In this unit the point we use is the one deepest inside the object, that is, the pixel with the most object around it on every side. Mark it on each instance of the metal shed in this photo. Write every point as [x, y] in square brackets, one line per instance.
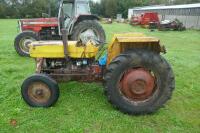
[189, 14]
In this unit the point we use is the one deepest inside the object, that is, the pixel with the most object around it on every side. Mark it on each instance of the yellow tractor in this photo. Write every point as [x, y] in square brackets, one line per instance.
[137, 79]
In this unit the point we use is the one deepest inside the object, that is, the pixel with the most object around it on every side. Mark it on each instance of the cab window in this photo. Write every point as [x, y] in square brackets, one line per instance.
[83, 8]
[68, 9]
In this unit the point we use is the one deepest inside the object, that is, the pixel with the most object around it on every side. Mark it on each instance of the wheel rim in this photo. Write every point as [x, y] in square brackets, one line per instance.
[24, 44]
[93, 33]
[39, 92]
[137, 84]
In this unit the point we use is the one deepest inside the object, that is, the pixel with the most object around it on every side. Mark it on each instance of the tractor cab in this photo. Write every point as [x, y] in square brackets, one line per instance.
[76, 17]
[70, 10]
[75, 7]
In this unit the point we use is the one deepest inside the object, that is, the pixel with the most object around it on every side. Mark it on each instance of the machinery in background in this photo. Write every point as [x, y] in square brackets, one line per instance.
[151, 20]
[144, 19]
[73, 15]
[171, 25]
[107, 20]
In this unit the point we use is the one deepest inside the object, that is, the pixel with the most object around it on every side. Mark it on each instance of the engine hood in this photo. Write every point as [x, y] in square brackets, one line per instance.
[40, 21]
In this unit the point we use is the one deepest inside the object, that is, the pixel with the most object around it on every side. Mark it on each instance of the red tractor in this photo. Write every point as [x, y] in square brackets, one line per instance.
[73, 15]
[145, 19]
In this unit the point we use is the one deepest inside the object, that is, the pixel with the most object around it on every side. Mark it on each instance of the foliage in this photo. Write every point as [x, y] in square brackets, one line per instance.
[83, 107]
[109, 8]
[26, 8]
[106, 8]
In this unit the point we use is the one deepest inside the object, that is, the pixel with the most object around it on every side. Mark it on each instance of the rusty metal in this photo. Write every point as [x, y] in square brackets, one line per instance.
[39, 63]
[92, 73]
[39, 92]
[137, 84]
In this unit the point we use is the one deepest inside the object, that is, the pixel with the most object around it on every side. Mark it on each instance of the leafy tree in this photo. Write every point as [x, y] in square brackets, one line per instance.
[96, 8]
[110, 8]
[185, 1]
[2, 9]
[106, 8]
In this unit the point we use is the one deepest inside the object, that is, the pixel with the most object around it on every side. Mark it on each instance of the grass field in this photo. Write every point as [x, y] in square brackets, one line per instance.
[83, 107]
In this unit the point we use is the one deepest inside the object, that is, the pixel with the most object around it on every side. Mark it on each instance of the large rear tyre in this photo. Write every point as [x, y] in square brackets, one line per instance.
[90, 27]
[23, 40]
[139, 82]
[40, 91]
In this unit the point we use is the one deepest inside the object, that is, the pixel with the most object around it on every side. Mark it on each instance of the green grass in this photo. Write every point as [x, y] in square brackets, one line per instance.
[83, 107]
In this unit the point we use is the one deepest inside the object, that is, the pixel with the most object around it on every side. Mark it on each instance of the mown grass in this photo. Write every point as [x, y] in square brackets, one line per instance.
[83, 107]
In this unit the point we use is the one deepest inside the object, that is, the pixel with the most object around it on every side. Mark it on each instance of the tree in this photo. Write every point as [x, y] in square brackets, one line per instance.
[106, 8]
[2, 9]
[185, 1]
[110, 8]
[26, 8]
[96, 8]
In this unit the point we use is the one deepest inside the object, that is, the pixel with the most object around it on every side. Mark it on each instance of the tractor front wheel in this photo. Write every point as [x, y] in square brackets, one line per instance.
[40, 91]
[139, 82]
[22, 42]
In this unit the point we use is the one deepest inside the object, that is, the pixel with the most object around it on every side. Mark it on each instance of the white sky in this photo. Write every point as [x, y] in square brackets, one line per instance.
[96, 0]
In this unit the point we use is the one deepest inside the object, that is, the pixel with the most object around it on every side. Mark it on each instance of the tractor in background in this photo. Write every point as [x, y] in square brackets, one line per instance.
[73, 15]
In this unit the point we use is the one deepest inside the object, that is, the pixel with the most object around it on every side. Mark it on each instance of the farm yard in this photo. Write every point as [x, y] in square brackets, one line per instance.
[83, 107]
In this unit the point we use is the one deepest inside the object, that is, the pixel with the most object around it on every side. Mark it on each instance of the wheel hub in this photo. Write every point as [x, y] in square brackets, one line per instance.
[137, 84]
[39, 92]
[137, 87]
[87, 35]
[25, 44]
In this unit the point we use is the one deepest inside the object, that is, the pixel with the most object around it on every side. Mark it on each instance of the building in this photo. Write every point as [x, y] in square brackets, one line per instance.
[188, 14]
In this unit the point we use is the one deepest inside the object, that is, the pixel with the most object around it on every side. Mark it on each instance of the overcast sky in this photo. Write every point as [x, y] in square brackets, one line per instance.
[96, 0]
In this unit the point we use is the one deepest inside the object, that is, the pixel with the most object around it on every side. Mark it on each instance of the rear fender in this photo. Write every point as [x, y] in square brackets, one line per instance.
[129, 41]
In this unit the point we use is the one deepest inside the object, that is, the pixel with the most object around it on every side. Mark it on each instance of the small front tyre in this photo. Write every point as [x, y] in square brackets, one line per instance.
[40, 91]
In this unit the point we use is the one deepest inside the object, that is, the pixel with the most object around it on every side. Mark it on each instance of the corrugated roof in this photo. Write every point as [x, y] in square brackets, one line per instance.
[168, 7]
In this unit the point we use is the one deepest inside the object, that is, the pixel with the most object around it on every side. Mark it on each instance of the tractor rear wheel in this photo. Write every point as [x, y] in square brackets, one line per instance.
[139, 82]
[40, 91]
[91, 28]
[22, 42]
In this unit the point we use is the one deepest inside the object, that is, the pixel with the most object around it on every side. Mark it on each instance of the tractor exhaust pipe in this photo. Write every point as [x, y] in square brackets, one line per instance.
[65, 42]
